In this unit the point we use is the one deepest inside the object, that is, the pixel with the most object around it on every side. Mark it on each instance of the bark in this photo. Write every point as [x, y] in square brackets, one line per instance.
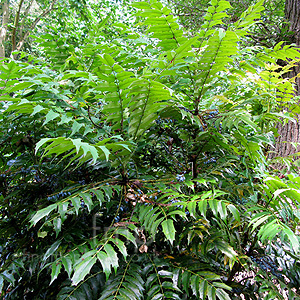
[16, 24]
[290, 133]
[26, 12]
[34, 23]
[3, 29]
[19, 26]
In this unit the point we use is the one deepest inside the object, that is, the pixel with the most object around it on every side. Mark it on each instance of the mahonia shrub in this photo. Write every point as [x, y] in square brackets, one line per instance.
[136, 166]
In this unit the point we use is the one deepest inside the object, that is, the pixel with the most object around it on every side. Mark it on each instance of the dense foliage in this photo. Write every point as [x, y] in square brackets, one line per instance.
[134, 164]
[270, 29]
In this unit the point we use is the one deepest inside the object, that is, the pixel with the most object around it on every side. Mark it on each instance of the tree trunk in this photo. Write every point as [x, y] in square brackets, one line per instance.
[290, 133]
[34, 23]
[3, 29]
[16, 24]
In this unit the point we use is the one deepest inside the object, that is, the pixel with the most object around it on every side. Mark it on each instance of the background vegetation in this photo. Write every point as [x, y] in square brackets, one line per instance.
[134, 157]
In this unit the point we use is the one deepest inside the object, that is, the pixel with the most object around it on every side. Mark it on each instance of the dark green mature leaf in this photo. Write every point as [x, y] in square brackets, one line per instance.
[42, 213]
[51, 250]
[169, 230]
[56, 267]
[83, 268]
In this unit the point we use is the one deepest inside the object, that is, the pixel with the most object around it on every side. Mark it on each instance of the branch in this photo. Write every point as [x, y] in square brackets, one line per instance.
[192, 8]
[16, 23]
[259, 40]
[42, 15]
[89, 114]
[187, 15]
[27, 9]
[3, 29]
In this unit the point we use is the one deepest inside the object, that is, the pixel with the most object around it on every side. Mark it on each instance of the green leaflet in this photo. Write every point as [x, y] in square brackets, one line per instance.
[42, 213]
[87, 199]
[226, 249]
[259, 220]
[76, 127]
[121, 247]
[83, 268]
[51, 115]
[67, 263]
[51, 250]
[76, 202]
[56, 267]
[105, 262]
[20, 86]
[62, 210]
[112, 255]
[294, 240]
[169, 230]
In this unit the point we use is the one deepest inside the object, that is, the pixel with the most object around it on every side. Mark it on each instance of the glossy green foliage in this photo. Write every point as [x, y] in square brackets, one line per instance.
[136, 167]
[268, 28]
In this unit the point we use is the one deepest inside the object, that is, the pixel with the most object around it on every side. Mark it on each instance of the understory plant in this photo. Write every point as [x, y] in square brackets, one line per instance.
[134, 165]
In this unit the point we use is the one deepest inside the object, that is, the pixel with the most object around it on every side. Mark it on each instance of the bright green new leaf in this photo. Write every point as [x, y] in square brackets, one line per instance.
[51, 115]
[294, 239]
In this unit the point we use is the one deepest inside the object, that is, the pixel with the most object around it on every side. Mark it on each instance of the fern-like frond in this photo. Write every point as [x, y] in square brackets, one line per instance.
[248, 17]
[79, 261]
[148, 98]
[116, 82]
[161, 24]
[204, 285]
[128, 283]
[216, 54]
[90, 288]
[73, 200]
[82, 151]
